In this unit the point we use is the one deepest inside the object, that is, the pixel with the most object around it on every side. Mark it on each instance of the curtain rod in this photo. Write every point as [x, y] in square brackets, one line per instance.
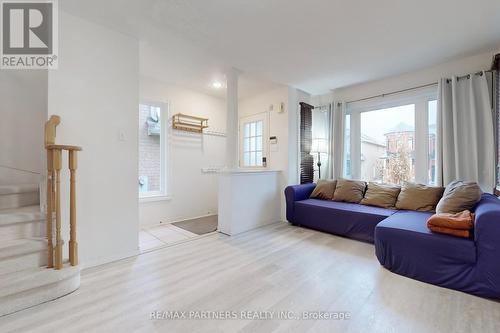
[418, 87]
[468, 75]
[393, 92]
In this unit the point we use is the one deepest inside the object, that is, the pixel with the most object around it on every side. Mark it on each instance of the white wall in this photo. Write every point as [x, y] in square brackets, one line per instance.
[284, 126]
[192, 193]
[278, 122]
[23, 110]
[277, 158]
[95, 91]
[462, 66]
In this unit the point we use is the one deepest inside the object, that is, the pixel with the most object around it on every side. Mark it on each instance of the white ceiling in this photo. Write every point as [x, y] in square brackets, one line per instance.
[314, 45]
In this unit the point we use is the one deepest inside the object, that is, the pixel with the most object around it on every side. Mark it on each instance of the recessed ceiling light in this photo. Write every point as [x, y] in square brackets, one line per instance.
[217, 85]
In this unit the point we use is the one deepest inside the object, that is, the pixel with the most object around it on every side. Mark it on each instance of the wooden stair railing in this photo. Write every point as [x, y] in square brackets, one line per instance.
[54, 166]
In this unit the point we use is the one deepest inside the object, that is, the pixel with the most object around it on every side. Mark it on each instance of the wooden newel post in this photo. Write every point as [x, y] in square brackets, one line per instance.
[73, 245]
[57, 166]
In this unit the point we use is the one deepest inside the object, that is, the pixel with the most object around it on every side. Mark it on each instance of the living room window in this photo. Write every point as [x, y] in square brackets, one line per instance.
[387, 144]
[432, 122]
[347, 147]
[320, 135]
[152, 180]
[392, 139]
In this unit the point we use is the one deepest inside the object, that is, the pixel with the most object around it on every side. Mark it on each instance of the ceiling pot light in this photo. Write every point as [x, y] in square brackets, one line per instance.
[217, 85]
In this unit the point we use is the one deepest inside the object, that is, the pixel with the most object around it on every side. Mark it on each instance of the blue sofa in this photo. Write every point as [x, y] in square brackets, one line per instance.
[404, 244]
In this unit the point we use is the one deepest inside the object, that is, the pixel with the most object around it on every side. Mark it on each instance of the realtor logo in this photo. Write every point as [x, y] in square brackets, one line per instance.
[29, 34]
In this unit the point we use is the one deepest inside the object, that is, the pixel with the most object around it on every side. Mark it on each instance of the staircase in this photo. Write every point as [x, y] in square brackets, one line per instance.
[25, 280]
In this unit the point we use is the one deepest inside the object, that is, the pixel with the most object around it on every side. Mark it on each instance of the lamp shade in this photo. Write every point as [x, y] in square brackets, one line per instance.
[319, 145]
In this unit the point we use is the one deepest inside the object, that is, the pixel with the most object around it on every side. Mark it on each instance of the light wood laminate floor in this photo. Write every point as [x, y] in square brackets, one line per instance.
[278, 267]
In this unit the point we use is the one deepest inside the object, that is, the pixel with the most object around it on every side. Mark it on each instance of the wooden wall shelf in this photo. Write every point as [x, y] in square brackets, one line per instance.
[188, 123]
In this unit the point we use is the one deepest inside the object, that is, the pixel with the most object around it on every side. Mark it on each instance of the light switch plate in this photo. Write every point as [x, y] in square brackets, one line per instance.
[121, 135]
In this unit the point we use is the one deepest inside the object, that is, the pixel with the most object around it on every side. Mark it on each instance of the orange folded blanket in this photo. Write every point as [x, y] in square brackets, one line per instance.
[450, 231]
[458, 224]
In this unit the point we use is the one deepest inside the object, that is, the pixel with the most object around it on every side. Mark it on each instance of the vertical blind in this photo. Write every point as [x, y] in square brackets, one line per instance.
[306, 159]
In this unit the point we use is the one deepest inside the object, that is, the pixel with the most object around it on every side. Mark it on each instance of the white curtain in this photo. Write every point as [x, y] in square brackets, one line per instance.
[336, 140]
[465, 132]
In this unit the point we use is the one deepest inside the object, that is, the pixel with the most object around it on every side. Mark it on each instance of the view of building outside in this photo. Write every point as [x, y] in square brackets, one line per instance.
[388, 144]
[400, 154]
[393, 129]
[432, 107]
[149, 149]
[347, 147]
[372, 158]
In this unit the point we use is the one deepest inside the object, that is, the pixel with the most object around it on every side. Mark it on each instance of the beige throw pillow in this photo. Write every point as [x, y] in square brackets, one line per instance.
[459, 196]
[381, 195]
[419, 197]
[349, 190]
[324, 189]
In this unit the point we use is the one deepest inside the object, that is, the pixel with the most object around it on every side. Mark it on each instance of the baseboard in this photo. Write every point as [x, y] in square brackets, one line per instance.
[175, 221]
[109, 259]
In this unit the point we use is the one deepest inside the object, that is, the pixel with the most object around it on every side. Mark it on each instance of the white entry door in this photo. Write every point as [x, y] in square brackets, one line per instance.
[254, 141]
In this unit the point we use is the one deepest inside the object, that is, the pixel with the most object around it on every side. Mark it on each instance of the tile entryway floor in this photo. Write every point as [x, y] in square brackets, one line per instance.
[158, 236]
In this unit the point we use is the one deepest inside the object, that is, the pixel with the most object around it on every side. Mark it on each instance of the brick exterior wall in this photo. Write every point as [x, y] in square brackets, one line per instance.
[149, 152]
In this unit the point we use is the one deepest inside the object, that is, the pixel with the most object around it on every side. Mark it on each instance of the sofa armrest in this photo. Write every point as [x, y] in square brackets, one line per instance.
[487, 238]
[487, 220]
[296, 193]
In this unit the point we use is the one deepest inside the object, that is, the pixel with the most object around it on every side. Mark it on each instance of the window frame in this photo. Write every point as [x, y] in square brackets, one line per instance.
[163, 194]
[253, 138]
[420, 98]
[264, 117]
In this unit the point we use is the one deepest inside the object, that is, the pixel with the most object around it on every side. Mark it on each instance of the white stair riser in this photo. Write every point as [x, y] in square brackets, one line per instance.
[16, 200]
[22, 230]
[38, 295]
[31, 260]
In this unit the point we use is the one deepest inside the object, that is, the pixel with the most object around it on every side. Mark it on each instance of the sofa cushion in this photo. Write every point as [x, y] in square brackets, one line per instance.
[324, 189]
[381, 195]
[340, 218]
[419, 197]
[349, 190]
[459, 196]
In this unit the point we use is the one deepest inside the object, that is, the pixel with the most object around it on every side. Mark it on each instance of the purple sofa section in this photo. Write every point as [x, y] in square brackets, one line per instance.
[404, 244]
[487, 239]
[340, 218]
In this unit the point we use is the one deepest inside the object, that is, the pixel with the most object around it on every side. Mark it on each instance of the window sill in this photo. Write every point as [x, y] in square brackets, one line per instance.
[154, 198]
[254, 168]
